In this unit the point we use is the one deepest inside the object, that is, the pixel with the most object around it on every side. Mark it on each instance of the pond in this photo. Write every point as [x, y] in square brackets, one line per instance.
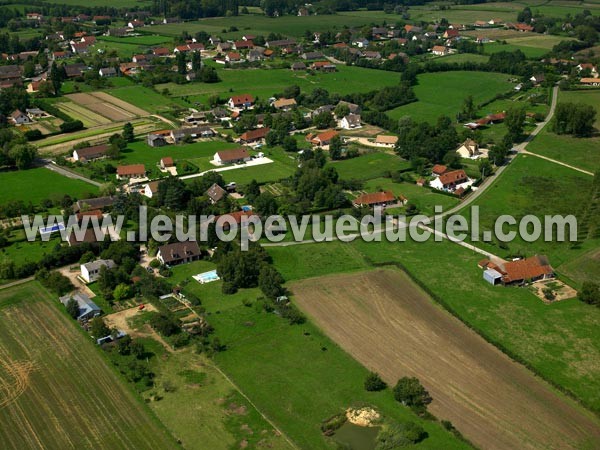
[357, 437]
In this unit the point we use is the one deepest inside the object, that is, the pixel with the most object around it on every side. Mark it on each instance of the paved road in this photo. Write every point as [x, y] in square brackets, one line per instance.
[251, 163]
[48, 164]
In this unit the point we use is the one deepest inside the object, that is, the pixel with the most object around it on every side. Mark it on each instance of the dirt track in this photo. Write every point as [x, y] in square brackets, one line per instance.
[392, 327]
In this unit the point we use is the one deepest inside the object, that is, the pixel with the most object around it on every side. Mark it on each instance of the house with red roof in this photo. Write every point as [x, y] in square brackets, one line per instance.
[243, 101]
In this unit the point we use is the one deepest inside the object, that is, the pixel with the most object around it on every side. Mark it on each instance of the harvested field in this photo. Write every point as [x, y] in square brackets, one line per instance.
[56, 391]
[107, 106]
[388, 324]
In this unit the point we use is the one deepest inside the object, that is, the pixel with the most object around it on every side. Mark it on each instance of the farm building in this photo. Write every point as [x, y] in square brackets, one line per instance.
[166, 162]
[90, 214]
[438, 169]
[519, 271]
[156, 140]
[87, 308]
[193, 132]
[373, 199]
[323, 139]
[323, 66]
[150, 189]
[440, 50]
[92, 153]
[19, 118]
[386, 141]
[107, 72]
[297, 66]
[90, 272]
[284, 104]
[88, 236]
[235, 155]
[178, 253]
[131, 171]
[93, 203]
[252, 136]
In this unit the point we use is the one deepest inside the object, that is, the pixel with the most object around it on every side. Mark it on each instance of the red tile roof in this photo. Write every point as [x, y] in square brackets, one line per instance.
[241, 99]
[439, 169]
[525, 269]
[132, 169]
[453, 177]
[235, 154]
[167, 161]
[326, 136]
[252, 135]
[375, 198]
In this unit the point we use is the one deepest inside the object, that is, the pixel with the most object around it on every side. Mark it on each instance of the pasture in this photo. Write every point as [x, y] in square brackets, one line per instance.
[145, 98]
[35, 185]
[56, 390]
[495, 402]
[579, 152]
[444, 93]
[534, 186]
[239, 81]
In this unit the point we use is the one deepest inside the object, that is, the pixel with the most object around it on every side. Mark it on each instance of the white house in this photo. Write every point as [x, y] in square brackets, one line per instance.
[90, 272]
[469, 149]
[350, 122]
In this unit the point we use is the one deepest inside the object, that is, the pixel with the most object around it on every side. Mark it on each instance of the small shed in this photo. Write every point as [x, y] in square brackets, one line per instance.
[492, 276]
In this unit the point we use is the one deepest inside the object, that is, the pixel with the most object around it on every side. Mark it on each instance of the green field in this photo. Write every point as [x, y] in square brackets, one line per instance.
[35, 185]
[296, 400]
[458, 58]
[146, 98]
[346, 80]
[579, 152]
[559, 341]
[368, 166]
[57, 391]
[530, 52]
[443, 93]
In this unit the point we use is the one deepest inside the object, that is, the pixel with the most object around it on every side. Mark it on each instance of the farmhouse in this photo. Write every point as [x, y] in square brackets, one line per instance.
[92, 153]
[215, 193]
[323, 139]
[89, 237]
[450, 180]
[236, 155]
[131, 171]
[19, 118]
[87, 308]
[36, 113]
[243, 101]
[440, 50]
[386, 141]
[588, 66]
[374, 199]
[233, 57]
[517, 272]
[257, 135]
[350, 121]
[75, 70]
[284, 104]
[156, 140]
[194, 132]
[90, 272]
[450, 34]
[323, 66]
[178, 253]
[469, 149]
[107, 72]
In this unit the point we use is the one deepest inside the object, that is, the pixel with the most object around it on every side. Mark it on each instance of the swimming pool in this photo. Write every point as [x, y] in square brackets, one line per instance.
[206, 277]
[53, 228]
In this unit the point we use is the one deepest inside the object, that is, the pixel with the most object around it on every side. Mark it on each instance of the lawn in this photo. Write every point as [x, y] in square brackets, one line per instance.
[58, 392]
[239, 81]
[529, 51]
[443, 93]
[296, 399]
[579, 152]
[35, 185]
[370, 165]
[24, 251]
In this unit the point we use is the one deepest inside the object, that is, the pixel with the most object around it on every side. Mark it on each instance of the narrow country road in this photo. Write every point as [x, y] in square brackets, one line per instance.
[48, 164]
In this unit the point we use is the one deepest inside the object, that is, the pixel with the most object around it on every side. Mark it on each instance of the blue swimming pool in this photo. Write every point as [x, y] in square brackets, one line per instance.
[206, 277]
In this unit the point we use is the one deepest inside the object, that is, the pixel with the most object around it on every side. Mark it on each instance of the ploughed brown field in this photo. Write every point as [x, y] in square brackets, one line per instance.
[392, 327]
[107, 106]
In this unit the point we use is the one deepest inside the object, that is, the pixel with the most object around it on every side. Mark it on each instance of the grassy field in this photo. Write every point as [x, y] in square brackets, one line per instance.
[35, 185]
[146, 98]
[463, 57]
[295, 400]
[57, 391]
[238, 81]
[222, 418]
[444, 93]
[579, 152]
[368, 166]
[534, 186]
[416, 338]
[530, 52]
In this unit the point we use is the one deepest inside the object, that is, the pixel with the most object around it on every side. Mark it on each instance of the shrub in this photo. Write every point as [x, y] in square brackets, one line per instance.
[399, 435]
[410, 392]
[374, 383]
[69, 127]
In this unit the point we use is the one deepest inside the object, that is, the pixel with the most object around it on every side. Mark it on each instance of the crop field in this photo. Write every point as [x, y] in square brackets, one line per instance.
[107, 106]
[371, 165]
[579, 152]
[32, 185]
[238, 81]
[443, 93]
[145, 98]
[55, 389]
[493, 401]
